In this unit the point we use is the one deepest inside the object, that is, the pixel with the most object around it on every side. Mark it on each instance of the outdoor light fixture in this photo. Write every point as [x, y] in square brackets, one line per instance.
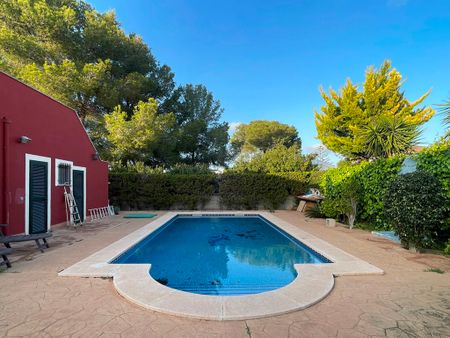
[24, 139]
[95, 157]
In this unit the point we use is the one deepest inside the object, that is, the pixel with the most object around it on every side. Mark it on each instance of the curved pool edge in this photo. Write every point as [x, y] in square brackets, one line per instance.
[312, 284]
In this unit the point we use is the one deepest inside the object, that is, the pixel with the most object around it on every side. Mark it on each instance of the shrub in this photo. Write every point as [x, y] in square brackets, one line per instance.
[413, 207]
[345, 201]
[160, 191]
[187, 188]
[436, 160]
[183, 168]
[447, 248]
[373, 178]
[250, 190]
[314, 212]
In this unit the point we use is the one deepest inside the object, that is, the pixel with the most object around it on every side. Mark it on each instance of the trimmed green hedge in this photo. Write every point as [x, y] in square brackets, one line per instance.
[376, 177]
[251, 190]
[436, 160]
[139, 191]
[413, 206]
[143, 190]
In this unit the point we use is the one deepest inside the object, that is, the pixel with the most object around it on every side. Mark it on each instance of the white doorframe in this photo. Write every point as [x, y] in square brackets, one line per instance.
[83, 169]
[48, 160]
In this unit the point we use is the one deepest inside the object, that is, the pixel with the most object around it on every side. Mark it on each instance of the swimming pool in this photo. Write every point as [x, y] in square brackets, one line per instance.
[221, 255]
[312, 283]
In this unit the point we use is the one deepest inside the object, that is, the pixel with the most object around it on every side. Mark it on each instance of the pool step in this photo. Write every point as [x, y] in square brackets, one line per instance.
[227, 290]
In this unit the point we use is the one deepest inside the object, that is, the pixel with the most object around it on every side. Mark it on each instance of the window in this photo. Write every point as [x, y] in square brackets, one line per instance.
[63, 173]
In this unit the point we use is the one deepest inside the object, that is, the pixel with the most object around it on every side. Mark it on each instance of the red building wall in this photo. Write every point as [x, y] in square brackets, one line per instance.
[56, 132]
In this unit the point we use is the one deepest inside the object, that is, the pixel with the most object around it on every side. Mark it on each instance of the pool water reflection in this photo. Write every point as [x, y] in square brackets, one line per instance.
[221, 255]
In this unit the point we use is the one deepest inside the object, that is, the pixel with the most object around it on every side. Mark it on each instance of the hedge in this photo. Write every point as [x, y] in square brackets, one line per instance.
[413, 206]
[436, 160]
[375, 178]
[143, 190]
[139, 191]
[252, 190]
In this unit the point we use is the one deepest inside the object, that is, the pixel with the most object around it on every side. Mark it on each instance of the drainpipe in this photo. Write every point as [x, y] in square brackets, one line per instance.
[5, 176]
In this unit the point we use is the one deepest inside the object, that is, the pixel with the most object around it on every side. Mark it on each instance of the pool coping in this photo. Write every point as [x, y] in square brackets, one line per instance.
[313, 283]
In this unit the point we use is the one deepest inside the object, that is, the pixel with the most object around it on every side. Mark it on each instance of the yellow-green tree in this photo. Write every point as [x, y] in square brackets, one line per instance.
[145, 137]
[346, 122]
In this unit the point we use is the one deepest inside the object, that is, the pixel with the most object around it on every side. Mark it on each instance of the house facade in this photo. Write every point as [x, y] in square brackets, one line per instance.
[44, 148]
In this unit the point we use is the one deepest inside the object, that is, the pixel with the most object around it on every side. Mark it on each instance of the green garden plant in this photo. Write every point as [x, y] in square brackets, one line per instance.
[251, 190]
[342, 124]
[344, 201]
[134, 187]
[447, 248]
[413, 207]
[373, 179]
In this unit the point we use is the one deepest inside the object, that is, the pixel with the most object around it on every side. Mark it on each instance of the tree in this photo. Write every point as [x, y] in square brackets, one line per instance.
[73, 53]
[86, 90]
[262, 135]
[277, 159]
[202, 138]
[389, 136]
[445, 111]
[83, 58]
[145, 137]
[344, 200]
[342, 123]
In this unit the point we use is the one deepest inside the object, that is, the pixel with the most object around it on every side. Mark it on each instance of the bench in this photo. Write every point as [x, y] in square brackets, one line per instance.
[6, 240]
[4, 252]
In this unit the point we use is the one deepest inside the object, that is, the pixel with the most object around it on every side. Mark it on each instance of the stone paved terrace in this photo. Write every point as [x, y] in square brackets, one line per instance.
[405, 302]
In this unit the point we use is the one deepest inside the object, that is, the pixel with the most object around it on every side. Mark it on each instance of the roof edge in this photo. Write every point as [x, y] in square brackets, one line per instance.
[55, 100]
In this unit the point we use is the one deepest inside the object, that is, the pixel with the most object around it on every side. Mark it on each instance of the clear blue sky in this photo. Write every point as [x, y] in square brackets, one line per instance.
[266, 59]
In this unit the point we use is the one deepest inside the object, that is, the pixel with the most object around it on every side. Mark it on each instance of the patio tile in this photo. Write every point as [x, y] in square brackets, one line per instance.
[405, 302]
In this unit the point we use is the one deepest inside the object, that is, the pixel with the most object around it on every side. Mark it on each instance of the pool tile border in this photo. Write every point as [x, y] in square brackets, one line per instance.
[313, 283]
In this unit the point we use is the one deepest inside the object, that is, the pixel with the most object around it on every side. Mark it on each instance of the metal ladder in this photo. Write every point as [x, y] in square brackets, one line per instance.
[72, 213]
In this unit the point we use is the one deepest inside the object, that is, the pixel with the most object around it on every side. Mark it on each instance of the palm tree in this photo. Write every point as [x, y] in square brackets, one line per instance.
[445, 111]
[390, 136]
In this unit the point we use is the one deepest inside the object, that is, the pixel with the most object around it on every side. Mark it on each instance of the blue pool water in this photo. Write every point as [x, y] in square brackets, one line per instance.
[217, 255]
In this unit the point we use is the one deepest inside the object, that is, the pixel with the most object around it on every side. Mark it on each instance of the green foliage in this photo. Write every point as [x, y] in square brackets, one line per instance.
[252, 190]
[315, 212]
[436, 160]
[342, 123]
[83, 58]
[81, 88]
[445, 111]
[262, 135]
[436, 270]
[389, 136]
[202, 138]
[373, 178]
[183, 168]
[145, 137]
[160, 190]
[275, 160]
[188, 187]
[343, 199]
[137, 167]
[447, 248]
[413, 207]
